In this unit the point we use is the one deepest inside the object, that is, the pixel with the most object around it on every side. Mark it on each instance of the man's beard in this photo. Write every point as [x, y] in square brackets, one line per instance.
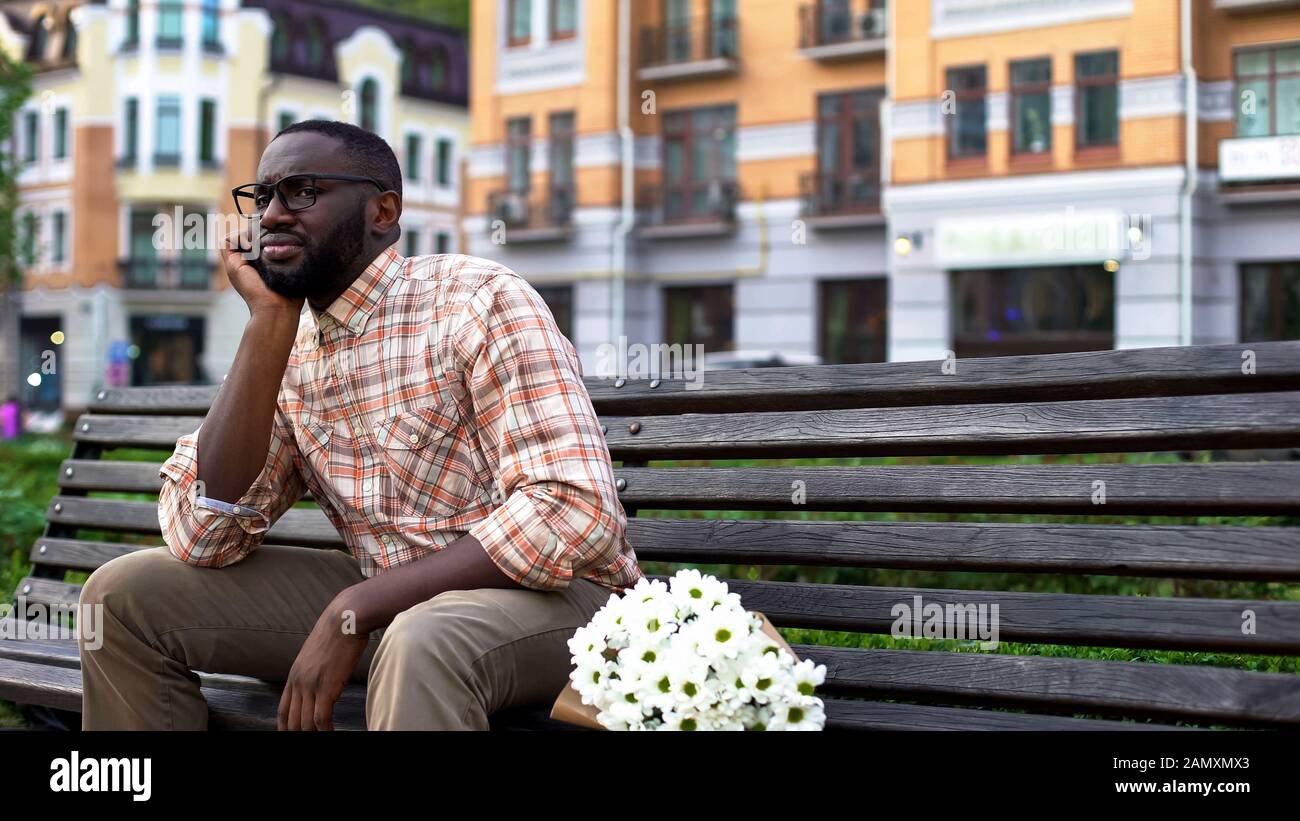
[323, 267]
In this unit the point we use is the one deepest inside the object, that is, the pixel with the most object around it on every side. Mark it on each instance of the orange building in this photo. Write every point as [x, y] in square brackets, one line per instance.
[686, 171]
[867, 180]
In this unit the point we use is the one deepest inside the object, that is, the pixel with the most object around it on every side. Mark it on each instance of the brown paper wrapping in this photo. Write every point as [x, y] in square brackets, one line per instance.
[570, 709]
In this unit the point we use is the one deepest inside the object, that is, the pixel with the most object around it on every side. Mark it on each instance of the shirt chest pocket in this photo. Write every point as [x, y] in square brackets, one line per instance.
[426, 452]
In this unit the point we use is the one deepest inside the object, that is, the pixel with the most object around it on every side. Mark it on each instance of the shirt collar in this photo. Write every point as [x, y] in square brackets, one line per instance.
[355, 305]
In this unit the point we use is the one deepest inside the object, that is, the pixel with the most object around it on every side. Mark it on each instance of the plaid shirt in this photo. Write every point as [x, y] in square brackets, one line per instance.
[435, 397]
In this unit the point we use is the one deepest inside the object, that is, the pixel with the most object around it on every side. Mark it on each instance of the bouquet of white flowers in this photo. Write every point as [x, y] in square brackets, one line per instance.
[687, 656]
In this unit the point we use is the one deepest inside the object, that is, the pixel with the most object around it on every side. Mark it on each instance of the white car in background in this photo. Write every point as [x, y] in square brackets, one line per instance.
[732, 360]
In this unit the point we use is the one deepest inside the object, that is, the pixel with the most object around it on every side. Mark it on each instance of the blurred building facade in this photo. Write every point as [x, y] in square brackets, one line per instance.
[866, 181]
[143, 108]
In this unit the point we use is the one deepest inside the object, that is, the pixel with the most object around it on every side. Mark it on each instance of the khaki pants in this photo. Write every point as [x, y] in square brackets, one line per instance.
[446, 663]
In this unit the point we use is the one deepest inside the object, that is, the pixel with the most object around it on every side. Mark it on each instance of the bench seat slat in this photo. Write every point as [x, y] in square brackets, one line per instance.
[1258, 420]
[1263, 553]
[238, 703]
[1225, 489]
[1173, 371]
[1174, 691]
[1042, 618]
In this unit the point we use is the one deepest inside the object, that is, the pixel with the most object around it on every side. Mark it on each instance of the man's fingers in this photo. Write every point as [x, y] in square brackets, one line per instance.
[282, 714]
[306, 710]
[324, 713]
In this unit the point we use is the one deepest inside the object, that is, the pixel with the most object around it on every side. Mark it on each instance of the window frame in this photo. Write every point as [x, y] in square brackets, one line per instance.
[723, 115]
[1015, 92]
[173, 104]
[701, 295]
[59, 151]
[986, 316]
[31, 137]
[1276, 301]
[208, 140]
[444, 153]
[59, 238]
[966, 95]
[553, 15]
[521, 141]
[847, 120]
[414, 156]
[1080, 83]
[168, 8]
[512, 11]
[825, 303]
[1272, 77]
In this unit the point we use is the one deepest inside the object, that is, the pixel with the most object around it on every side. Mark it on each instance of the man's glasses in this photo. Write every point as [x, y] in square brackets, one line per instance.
[296, 192]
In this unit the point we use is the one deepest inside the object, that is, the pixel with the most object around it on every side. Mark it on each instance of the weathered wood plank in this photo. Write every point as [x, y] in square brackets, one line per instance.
[1260, 420]
[1042, 618]
[298, 526]
[1208, 695]
[1262, 553]
[1178, 371]
[1154, 489]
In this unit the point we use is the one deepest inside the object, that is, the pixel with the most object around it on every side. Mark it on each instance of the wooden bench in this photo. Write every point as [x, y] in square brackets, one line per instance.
[1137, 401]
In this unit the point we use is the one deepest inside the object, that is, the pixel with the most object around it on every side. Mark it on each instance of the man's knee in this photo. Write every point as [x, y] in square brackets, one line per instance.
[135, 576]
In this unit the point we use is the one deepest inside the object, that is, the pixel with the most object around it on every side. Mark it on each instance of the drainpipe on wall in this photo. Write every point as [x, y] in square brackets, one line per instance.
[1191, 119]
[627, 218]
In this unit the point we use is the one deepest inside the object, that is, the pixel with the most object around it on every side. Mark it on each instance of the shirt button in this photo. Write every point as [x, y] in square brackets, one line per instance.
[415, 439]
[366, 486]
[237, 509]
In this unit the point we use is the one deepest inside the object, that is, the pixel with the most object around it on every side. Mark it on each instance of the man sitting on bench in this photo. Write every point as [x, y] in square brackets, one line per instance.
[436, 415]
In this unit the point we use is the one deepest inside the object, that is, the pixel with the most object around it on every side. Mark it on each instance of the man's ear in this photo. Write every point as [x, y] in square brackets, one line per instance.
[388, 212]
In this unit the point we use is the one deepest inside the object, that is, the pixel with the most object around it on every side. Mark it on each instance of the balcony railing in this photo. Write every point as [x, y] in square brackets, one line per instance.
[531, 217]
[167, 274]
[704, 46]
[833, 199]
[705, 209]
[836, 30]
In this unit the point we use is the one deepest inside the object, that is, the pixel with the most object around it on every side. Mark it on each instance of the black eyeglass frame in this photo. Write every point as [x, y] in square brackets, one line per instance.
[275, 187]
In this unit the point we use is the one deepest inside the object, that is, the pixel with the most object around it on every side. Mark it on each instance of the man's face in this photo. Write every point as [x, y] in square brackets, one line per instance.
[320, 250]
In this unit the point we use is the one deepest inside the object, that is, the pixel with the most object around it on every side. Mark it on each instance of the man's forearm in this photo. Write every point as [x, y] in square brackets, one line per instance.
[461, 565]
[236, 435]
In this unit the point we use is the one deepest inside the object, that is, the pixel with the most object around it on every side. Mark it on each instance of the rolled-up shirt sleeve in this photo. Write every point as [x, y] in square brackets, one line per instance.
[208, 532]
[537, 427]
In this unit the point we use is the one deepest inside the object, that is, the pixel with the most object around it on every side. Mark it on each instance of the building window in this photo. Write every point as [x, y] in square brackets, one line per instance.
[695, 315]
[211, 26]
[1031, 106]
[1268, 91]
[69, 38]
[286, 120]
[848, 153]
[1270, 302]
[519, 19]
[170, 24]
[316, 45]
[436, 70]
[130, 132]
[30, 242]
[414, 146]
[171, 349]
[723, 41]
[60, 133]
[412, 243]
[31, 137]
[560, 205]
[853, 315]
[207, 132]
[369, 105]
[1096, 113]
[442, 243]
[40, 40]
[559, 298]
[59, 248]
[132, 38]
[519, 149]
[167, 143]
[968, 127]
[699, 163]
[444, 162]
[564, 19]
[1014, 311]
[279, 41]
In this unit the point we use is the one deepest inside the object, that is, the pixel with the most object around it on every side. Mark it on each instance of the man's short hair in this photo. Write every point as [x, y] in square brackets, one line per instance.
[370, 154]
